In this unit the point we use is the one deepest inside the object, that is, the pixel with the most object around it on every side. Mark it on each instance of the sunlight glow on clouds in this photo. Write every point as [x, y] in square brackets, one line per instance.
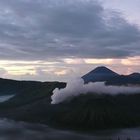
[99, 61]
[59, 39]
[132, 61]
[61, 72]
[64, 69]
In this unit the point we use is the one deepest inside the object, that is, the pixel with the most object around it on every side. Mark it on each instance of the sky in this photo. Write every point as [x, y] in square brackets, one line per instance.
[55, 40]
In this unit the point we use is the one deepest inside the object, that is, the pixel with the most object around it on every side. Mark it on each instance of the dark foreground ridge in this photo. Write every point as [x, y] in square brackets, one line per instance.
[32, 102]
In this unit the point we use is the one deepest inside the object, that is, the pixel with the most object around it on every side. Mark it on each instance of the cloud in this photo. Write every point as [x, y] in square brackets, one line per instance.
[42, 30]
[35, 70]
[77, 87]
[3, 72]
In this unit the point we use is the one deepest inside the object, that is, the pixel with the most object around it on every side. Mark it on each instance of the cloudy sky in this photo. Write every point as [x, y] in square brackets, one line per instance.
[60, 39]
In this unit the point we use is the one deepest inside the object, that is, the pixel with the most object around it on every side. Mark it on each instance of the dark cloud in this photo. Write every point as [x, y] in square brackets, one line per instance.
[44, 29]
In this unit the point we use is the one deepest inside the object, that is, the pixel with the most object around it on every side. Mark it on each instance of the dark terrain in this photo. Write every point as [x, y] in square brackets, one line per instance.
[85, 112]
[103, 74]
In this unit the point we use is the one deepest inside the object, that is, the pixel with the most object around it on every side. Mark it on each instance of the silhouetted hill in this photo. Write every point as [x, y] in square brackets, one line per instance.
[97, 112]
[91, 111]
[33, 94]
[10, 87]
[132, 79]
[134, 75]
[85, 112]
[99, 74]
[103, 74]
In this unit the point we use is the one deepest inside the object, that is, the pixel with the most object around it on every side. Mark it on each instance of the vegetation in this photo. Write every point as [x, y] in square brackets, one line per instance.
[86, 112]
[98, 112]
[29, 92]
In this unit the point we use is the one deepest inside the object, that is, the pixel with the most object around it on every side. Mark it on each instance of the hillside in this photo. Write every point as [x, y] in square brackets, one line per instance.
[26, 91]
[85, 112]
[10, 87]
[32, 102]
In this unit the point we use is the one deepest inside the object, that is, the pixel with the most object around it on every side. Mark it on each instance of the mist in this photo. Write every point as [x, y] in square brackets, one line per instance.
[13, 130]
[77, 87]
[5, 98]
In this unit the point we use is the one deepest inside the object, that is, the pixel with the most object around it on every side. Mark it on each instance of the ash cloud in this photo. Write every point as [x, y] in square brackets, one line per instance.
[77, 87]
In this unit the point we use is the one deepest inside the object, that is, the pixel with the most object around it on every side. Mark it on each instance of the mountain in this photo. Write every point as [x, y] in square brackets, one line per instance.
[85, 112]
[10, 87]
[103, 74]
[32, 103]
[134, 75]
[99, 74]
[132, 79]
[26, 91]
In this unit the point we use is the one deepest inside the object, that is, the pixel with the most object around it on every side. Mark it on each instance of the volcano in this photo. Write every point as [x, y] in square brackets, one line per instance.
[99, 74]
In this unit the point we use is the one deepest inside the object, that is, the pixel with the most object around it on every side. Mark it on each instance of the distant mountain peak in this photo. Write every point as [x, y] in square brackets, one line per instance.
[134, 75]
[102, 69]
[101, 73]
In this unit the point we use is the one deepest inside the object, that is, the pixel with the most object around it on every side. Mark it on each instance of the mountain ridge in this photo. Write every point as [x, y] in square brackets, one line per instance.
[84, 112]
[104, 74]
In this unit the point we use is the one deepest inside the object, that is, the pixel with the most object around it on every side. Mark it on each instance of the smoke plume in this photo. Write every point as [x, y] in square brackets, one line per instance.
[77, 87]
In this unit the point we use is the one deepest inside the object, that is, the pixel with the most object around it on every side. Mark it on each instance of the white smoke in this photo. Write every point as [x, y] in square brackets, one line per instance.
[77, 87]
